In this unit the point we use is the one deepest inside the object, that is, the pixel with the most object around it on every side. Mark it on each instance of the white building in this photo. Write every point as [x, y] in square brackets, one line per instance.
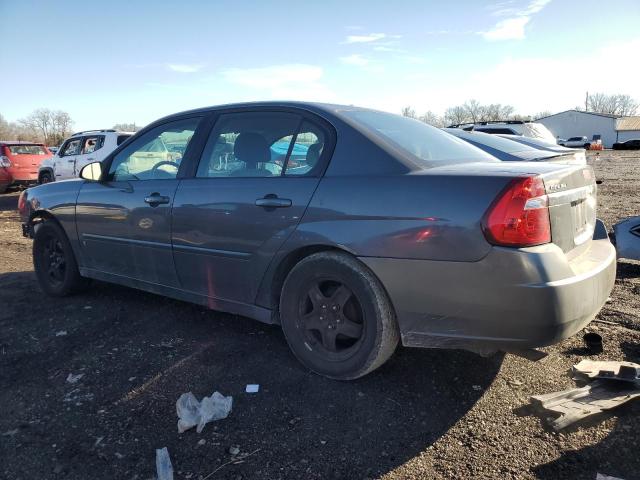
[574, 123]
[628, 128]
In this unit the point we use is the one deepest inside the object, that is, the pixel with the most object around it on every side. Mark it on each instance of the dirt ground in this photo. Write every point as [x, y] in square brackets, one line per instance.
[425, 414]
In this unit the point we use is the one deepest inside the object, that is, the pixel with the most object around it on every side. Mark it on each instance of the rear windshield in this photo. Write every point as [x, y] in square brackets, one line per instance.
[427, 145]
[493, 141]
[27, 150]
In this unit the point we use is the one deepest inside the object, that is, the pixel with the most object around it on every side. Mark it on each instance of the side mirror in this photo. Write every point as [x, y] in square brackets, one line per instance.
[91, 171]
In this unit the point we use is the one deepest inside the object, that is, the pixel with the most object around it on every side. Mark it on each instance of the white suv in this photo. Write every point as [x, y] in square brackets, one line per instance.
[79, 150]
[510, 127]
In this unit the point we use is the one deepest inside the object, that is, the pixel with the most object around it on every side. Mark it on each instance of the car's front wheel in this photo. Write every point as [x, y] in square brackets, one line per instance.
[54, 262]
[337, 317]
[45, 177]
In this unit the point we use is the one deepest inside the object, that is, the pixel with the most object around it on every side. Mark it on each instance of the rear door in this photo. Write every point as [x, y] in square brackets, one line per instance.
[248, 194]
[124, 221]
[89, 152]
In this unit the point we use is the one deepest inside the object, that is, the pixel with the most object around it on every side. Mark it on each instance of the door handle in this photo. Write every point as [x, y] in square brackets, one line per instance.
[272, 201]
[156, 199]
[70, 161]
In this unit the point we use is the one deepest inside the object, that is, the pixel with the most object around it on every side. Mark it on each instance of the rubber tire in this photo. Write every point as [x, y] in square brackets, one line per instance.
[72, 282]
[587, 146]
[381, 333]
[45, 174]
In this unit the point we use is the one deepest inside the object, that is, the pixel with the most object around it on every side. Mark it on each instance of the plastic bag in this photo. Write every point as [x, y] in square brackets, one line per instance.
[191, 412]
[164, 469]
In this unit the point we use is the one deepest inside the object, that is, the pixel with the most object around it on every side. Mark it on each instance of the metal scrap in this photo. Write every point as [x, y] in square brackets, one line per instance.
[612, 384]
[624, 371]
[627, 236]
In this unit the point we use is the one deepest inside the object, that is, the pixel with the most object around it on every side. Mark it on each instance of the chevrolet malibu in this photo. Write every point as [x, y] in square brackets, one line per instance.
[385, 230]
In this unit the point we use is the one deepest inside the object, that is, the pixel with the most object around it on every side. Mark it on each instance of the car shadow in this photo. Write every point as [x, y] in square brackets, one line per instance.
[139, 352]
[9, 200]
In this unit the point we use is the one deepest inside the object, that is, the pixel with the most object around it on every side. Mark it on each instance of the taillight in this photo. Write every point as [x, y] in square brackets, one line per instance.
[519, 217]
[21, 201]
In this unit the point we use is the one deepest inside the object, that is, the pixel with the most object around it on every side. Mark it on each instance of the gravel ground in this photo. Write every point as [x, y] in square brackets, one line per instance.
[425, 414]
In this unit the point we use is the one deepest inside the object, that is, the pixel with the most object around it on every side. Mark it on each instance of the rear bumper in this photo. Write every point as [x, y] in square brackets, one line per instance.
[512, 299]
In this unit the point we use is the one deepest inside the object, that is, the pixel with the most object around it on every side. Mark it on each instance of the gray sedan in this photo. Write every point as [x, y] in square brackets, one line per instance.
[353, 229]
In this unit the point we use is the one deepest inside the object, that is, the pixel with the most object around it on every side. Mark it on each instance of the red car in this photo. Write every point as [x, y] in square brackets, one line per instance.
[19, 161]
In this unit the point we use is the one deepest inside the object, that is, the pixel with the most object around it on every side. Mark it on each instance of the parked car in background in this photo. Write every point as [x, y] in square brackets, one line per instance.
[633, 144]
[510, 127]
[579, 155]
[575, 142]
[21, 161]
[5, 176]
[79, 150]
[510, 151]
[388, 230]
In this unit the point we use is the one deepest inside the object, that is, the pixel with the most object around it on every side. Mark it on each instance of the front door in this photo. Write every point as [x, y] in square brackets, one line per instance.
[124, 221]
[256, 176]
[65, 161]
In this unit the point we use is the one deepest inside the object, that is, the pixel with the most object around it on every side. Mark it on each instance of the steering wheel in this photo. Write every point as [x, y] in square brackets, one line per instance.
[160, 164]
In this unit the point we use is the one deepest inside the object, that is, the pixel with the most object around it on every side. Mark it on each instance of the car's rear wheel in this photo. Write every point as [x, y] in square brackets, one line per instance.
[587, 146]
[45, 177]
[337, 317]
[54, 262]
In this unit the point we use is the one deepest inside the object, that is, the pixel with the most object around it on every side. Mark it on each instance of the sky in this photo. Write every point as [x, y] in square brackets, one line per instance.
[138, 60]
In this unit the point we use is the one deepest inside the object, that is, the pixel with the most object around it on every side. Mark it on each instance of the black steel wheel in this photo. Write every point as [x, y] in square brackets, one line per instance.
[45, 177]
[54, 262]
[336, 316]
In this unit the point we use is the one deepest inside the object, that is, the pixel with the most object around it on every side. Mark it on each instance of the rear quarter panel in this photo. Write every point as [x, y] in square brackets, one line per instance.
[430, 217]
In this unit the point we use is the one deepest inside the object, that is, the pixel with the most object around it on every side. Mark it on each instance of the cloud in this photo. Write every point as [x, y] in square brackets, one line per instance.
[372, 37]
[273, 76]
[292, 81]
[184, 67]
[355, 59]
[512, 28]
[509, 29]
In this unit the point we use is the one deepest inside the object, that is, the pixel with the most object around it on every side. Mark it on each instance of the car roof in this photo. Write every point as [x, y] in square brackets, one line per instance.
[313, 107]
[19, 142]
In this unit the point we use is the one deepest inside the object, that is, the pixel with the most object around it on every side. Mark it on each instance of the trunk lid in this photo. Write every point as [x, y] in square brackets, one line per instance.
[572, 205]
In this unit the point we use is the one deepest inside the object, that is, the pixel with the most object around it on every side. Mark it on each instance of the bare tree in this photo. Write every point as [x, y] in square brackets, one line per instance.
[50, 126]
[456, 115]
[475, 111]
[617, 104]
[127, 127]
[542, 114]
[432, 119]
[40, 122]
[409, 112]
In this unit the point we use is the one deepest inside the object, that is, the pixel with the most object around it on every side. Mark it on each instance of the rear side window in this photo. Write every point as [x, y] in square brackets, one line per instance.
[27, 150]
[426, 145]
[91, 144]
[121, 138]
[262, 144]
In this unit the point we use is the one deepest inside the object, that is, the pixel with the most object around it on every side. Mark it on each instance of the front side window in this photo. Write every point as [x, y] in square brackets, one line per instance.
[261, 144]
[155, 155]
[72, 147]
